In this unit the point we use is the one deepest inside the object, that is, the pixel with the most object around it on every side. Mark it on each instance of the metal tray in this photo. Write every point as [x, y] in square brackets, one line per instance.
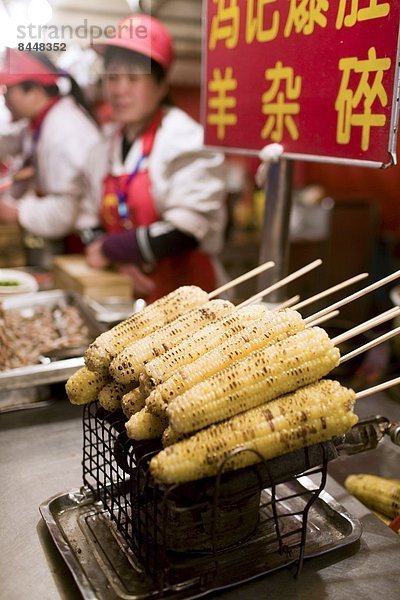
[58, 370]
[105, 569]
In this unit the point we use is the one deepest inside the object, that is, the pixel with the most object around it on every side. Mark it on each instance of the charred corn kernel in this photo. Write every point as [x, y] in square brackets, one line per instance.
[132, 402]
[261, 376]
[145, 384]
[205, 339]
[84, 386]
[312, 414]
[128, 365]
[377, 493]
[110, 343]
[269, 329]
[170, 437]
[110, 396]
[145, 426]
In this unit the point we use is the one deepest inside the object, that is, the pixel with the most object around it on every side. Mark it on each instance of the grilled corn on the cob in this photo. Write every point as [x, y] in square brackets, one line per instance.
[205, 339]
[110, 395]
[106, 346]
[269, 329]
[261, 376]
[312, 414]
[170, 437]
[145, 426]
[377, 493]
[128, 365]
[84, 386]
[132, 402]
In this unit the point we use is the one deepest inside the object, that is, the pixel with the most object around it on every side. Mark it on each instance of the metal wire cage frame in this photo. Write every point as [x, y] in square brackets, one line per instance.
[191, 534]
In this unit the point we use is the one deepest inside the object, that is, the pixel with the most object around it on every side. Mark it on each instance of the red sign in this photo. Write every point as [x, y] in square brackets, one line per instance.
[318, 76]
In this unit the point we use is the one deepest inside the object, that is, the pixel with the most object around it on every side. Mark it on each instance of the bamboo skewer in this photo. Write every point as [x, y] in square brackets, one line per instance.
[282, 282]
[260, 269]
[378, 388]
[378, 320]
[355, 296]
[287, 303]
[324, 318]
[330, 290]
[371, 344]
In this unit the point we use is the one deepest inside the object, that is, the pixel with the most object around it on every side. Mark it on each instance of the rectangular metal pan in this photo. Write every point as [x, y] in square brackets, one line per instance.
[58, 370]
[105, 569]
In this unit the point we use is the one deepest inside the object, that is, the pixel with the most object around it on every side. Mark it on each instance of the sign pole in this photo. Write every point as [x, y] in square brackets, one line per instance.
[275, 227]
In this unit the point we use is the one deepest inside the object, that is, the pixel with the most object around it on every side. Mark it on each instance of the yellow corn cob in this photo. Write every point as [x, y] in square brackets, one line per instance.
[170, 437]
[145, 426]
[145, 384]
[377, 493]
[110, 343]
[263, 375]
[110, 395]
[84, 386]
[271, 328]
[128, 365]
[208, 337]
[312, 414]
[132, 402]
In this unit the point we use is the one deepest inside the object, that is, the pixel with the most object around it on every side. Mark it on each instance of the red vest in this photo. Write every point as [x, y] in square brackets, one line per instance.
[138, 209]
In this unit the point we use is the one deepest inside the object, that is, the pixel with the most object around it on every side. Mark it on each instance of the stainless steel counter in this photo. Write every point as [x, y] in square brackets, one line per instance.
[40, 456]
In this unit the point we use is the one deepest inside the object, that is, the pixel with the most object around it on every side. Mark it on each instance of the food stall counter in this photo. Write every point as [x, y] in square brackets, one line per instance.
[41, 452]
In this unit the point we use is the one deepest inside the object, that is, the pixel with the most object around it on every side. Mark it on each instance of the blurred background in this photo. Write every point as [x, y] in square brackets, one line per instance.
[348, 216]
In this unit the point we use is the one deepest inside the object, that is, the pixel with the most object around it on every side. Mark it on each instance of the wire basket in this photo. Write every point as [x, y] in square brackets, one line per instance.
[191, 534]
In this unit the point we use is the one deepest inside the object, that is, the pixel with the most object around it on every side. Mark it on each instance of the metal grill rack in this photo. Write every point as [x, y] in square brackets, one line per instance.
[193, 534]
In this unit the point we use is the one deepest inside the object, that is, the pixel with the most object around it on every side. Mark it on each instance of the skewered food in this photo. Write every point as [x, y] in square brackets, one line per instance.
[110, 343]
[170, 437]
[110, 396]
[84, 386]
[145, 426]
[377, 493]
[261, 376]
[312, 414]
[132, 402]
[205, 339]
[269, 329]
[129, 363]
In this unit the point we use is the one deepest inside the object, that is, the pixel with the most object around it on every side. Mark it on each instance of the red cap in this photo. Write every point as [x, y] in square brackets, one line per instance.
[19, 66]
[145, 35]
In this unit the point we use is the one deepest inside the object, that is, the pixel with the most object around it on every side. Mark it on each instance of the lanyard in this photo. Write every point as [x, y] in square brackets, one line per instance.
[36, 128]
[28, 160]
[122, 194]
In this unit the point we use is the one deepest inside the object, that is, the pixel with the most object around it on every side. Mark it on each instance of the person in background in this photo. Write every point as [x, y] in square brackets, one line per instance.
[47, 153]
[162, 195]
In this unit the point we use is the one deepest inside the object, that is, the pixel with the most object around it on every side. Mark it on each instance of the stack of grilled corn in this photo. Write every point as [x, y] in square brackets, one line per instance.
[210, 378]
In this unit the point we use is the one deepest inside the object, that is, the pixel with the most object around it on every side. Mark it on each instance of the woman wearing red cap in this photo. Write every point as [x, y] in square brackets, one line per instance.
[49, 150]
[162, 194]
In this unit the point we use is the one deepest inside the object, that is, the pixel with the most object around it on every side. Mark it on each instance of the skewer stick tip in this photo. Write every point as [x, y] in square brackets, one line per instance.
[230, 284]
[378, 388]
